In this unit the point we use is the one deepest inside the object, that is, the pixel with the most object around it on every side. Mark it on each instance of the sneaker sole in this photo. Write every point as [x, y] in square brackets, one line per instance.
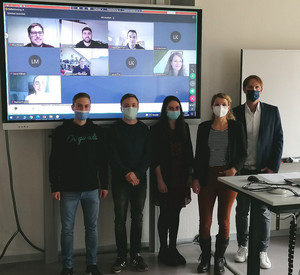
[139, 269]
[118, 271]
[239, 261]
[142, 270]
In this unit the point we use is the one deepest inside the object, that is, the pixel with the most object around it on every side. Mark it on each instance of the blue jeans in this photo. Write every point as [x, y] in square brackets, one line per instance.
[123, 194]
[90, 206]
[241, 221]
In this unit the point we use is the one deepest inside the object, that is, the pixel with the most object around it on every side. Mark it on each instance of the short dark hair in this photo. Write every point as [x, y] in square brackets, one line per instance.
[80, 95]
[247, 80]
[132, 31]
[128, 96]
[86, 29]
[34, 25]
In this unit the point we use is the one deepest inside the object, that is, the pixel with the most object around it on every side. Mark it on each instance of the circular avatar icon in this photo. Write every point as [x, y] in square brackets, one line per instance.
[175, 36]
[35, 61]
[131, 62]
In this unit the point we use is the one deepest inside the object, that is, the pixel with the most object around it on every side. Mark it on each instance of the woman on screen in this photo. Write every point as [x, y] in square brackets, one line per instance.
[175, 65]
[220, 151]
[38, 92]
[172, 170]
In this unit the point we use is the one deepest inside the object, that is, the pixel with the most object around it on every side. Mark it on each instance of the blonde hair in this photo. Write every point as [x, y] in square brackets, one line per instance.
[229, 115]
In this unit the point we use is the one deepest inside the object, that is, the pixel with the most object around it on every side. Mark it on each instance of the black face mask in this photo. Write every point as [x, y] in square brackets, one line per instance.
[252, 95]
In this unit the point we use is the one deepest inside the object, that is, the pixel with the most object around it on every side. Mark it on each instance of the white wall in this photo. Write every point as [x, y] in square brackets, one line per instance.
[228, 26]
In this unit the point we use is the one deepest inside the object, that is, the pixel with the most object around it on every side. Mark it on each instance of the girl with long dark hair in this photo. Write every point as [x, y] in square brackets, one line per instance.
[172, 169]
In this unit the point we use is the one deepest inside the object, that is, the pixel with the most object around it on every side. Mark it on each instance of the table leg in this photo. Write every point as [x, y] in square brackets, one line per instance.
[253, 266]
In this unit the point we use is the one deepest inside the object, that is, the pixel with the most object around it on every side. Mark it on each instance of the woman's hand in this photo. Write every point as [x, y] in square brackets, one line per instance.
[228, 173]
[162, 187]
[190, 181]
[196, 186]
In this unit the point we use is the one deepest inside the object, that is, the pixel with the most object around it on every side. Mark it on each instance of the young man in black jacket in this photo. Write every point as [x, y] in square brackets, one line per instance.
[77, 161]
[130, 157]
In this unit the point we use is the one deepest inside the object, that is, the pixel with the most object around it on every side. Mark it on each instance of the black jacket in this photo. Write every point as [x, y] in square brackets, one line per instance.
[236, 150]
[130, 149]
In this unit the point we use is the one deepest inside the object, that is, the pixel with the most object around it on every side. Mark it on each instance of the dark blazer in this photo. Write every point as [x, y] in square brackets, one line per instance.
[270, 137]
[236, 150]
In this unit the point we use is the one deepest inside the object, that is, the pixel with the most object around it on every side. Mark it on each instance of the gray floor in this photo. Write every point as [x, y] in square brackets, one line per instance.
[277, 254]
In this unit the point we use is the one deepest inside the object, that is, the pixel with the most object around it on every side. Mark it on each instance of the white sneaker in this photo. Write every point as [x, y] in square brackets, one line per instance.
[264, 260]
[241, 254]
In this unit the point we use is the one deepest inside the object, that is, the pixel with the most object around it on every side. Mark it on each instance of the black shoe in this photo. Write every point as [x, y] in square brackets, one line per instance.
[178, 258]
[204, 265]
[138, 263]
[92, 270]
[119, 265]
[219, 266]
[67, 271]
[163, 255]
[205, 245]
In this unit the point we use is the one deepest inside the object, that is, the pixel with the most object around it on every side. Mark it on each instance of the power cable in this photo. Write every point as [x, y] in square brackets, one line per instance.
[292, 242]
[19, 229]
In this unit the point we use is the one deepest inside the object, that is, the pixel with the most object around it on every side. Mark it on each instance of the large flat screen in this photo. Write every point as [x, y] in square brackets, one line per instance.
[53, 50]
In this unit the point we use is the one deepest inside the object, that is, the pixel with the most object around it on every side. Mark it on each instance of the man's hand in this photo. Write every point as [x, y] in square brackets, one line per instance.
[132, 179]
[267, 170]
[56, 195]
[103, 193]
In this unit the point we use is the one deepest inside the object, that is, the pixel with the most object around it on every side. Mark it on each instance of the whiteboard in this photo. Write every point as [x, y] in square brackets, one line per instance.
[280, 72]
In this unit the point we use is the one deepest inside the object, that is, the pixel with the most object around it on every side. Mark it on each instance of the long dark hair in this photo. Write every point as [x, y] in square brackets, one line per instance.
[180, 128]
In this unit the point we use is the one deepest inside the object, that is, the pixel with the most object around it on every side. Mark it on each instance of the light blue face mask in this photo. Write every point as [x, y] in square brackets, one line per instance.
[130, 113]
[82, 115]
[173, 115]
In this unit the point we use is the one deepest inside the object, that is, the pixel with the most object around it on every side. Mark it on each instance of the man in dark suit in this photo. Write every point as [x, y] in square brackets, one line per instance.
[262, 125]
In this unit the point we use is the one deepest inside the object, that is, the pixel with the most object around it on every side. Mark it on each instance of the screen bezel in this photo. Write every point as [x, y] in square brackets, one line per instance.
[23, 125]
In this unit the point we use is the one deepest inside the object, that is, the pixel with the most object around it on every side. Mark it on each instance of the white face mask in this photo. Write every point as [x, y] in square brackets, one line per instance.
[130, 113]
[220, 111]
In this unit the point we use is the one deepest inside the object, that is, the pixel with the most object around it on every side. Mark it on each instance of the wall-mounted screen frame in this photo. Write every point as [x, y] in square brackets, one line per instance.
[53, 50]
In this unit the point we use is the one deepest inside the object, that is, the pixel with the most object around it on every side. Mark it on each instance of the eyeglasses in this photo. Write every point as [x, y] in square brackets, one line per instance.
[37, 33]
